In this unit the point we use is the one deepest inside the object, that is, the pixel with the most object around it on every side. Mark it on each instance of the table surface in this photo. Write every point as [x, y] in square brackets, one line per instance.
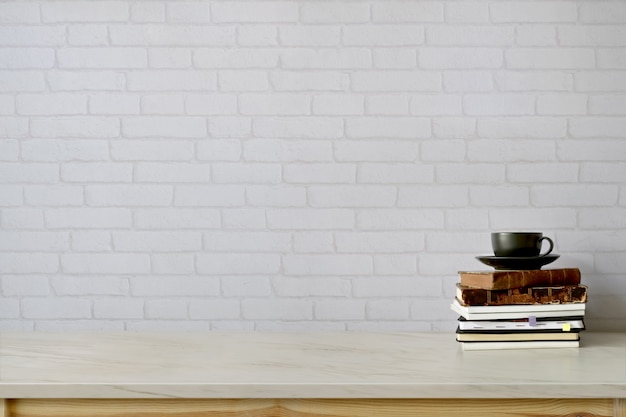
[301, 365]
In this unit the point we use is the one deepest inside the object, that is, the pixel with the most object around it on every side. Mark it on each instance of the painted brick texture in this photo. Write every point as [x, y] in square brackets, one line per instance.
[301, 165]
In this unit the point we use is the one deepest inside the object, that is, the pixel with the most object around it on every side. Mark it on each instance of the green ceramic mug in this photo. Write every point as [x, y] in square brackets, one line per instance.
[519, 244]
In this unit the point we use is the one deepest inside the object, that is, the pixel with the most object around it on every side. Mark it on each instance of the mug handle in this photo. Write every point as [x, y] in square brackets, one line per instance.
[549, 242]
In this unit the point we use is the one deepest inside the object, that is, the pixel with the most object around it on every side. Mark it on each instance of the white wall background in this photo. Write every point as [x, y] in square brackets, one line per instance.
[301, 165]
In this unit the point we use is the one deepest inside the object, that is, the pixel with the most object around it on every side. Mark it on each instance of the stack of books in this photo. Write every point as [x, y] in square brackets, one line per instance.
[520, 309]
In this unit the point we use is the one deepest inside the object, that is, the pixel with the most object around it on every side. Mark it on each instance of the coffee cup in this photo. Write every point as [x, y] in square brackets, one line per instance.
[519, 244]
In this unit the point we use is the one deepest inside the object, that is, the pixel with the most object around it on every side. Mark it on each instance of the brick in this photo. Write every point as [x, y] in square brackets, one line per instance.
[118, 308]
[237, 264]
[340, 310]
[457, 35]
[379, 242]
[394, 173]
[598, 126]
[502, 104]
[159, 172]
[16, 173]
[147, 11]
[405, 219]
[536, 35]
[395, 264]
[467, 12]
[169, 57]
[611, 58]
[312, 287]
[383, 35]
[247, 287]
[7, 106]
[299, 127]
[287, 150]
[450, 150]
[313, 242]
[166, 309]
[535, 81]
[26, 58]
[172, 35]
[14, 127]
[387, 310]
[326, 58]
[88, 35]
[607, 104]
[451, 128]
[520, 11]
[400, 11]
[170, 264]
[309, 81]
[592, 150]
[32, 36]
[310, 219]
[440, 105]
[244, 58]
[80, 286]
[244, 218]
[396, 287]
[69, 11]
[156, 241]
[54, 195]
[219, 150]
[319, 173]
[397, 81]
[56, 308]
[21, 218]
[18, 12]
[22, 241]
[467, 219]
[64, 150]
[172, 80]
[338, 104]
[88, 218]
[387, 104]
[174, 286]
[338, 12]
[176, 218]
[168, 127]
[276, 196]
[230, 127]
[562, 104]
[606, 81]
[107, 58]
[468, 81]
[215, 309]
[433, 196]
[550, 58]
[11, 195]
[243, 80]
[164, 104]
[345, 264]
[188, 12]
[460, 58]
[603, 12]
[351, 196]
[499, 150]
[257, 35]
[526, 127]
[499, 196]
[209, 196]
[375, 151]
[391, 58]
[17, 285]
[75, 127]
[114, 263]
[86, 81]
[248, 242]
[91, 241]
[602, 218]
[396, 127]
[235, 173]
[274, 104]
[470, 174]
[592, 35]
[51, 104]
[113, 103]
[211, 104]
[128, 195]
[250, 11]
[28, 263]
[533, 217]
[536, 173]
[309, 35]
[578, 195]
[96, 172]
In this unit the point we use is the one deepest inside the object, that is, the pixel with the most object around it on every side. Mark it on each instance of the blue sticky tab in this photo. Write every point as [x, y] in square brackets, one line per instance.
[532, 321]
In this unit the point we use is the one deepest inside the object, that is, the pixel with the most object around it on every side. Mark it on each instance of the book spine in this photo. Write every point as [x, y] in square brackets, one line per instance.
[500, 280]
[527, 295]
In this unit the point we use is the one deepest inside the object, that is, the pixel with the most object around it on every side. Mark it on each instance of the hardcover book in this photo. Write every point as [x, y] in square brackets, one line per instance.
[521, 311]
[516, 337]
[547, 344]
[469, 296]
[501, 280]
[539, 324]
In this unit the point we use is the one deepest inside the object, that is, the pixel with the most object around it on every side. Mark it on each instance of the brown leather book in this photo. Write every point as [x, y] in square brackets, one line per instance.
[529, 295]
[502, 280]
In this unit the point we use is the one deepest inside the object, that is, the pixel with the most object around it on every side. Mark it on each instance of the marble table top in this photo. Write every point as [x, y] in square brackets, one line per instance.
[301, 365]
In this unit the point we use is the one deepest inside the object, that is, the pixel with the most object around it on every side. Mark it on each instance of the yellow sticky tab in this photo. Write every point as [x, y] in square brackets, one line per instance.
[567, 327]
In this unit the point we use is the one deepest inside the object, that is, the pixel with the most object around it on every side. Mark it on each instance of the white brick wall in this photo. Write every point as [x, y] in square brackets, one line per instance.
[298, 164]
